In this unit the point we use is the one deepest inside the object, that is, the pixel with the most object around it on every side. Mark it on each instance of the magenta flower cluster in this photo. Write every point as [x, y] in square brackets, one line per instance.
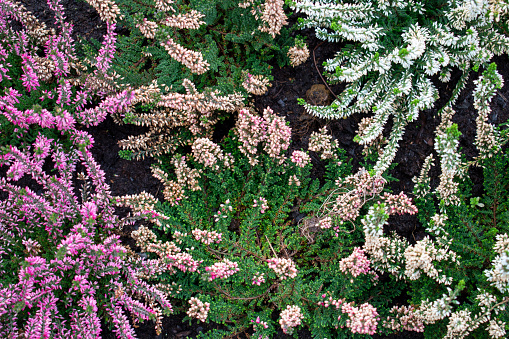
[70, 265]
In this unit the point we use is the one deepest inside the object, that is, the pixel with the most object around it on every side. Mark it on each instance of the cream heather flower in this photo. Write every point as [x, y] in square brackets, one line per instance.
[198, 309]
[298, 55]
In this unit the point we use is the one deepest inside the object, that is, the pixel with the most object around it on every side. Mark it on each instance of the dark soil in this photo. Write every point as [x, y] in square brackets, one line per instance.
[130, 177]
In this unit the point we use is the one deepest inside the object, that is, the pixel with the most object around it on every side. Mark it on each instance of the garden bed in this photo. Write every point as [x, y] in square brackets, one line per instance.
[289, 84]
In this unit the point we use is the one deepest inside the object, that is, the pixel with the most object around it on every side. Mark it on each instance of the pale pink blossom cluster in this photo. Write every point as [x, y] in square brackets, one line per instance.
[222, 270]
[183, 261]
[322, 143]
[190, 20]
[191, 59]
[298, 55]
[207, 237]
[363, 319]
[147, 28]
[284, 268]
[325, 223]
[258, 278]
[186, 176]
[256, 84]
[293, 180]
[271, 130]
[291, 317]
[300, 158]
[273, 17]
[198, 309]
[356, 264]
[262, 203]
[251, 130]
[405, 318]
[330, 301]
[208, 153]
[278, 135]
[223, 211]
[398, 204]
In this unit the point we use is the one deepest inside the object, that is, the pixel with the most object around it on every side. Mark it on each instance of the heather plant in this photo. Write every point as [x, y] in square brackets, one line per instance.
[192, 63]
[44, 87]
[214, 44]
[63, 268]
[393, 49]
[468, 246]
[237, 255]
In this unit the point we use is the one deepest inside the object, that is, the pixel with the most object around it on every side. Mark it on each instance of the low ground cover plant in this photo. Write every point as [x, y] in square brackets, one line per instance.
[392, 51]
[63, 269]
[467, 245]
[246, 237]
[193, 63]
[234, 254]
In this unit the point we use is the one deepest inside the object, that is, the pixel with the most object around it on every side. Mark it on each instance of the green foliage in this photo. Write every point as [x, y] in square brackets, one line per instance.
[391, 51]
[229, 40]
[472, 225]
[250, 238]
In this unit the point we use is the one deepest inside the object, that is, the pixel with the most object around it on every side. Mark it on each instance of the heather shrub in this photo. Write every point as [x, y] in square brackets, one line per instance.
[214, 44]
[245, 245]
[44, 87]
[193, 63]
[62, 267]
[393, 49]
[467, 248]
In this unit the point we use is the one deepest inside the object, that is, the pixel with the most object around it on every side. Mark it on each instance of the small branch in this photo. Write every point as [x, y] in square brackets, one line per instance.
[320, 74]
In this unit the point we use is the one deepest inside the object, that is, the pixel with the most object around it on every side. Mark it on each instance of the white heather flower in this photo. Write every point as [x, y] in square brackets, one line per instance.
[499, 274]
[460, 325]
[421, 257]
[431, 312]
[496, 329]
